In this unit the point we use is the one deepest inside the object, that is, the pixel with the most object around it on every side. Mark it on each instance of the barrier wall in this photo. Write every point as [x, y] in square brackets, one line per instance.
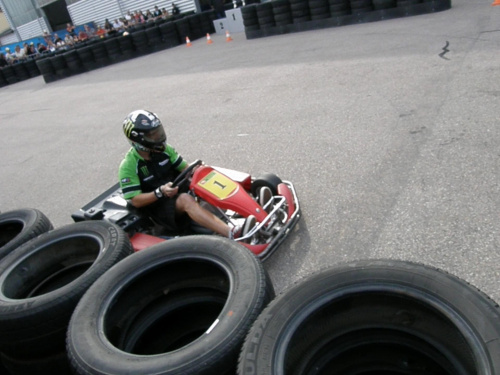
[289, 16]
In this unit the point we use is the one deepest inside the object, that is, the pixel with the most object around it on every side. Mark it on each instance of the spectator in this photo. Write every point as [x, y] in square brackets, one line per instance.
[89, 31]
[109, 27]
[31, 50]
[129, 18]
[101, 33]
[139, 18]
[69, 40]
[118, 25]
[47, 37]
[41, 48]
[57, 39]
[70, 29]
[165, 13]
[3, 61]
[83, 36]
[20, 54]
[26, 49]
[9, 56]
[156, 12]
[149, 16]
[175, 10]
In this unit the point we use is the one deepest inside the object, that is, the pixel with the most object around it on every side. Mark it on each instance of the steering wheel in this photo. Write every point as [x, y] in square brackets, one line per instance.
[186, 173]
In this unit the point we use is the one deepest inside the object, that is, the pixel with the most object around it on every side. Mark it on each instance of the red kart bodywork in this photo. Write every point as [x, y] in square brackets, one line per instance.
[229, 192]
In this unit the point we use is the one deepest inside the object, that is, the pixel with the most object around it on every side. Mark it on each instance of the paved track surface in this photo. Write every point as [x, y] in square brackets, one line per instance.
[392, 145]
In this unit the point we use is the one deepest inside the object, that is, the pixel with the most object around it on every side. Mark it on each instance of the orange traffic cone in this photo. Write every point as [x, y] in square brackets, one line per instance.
[209, 40]
[228, 37]
[496, 2]
[188, 42]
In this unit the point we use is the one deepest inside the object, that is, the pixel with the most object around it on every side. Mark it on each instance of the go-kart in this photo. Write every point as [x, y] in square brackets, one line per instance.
[232, 195]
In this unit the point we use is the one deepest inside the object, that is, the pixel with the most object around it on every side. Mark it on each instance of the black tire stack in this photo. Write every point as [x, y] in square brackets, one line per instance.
[196, 30]
[361, 6]
[319, 9]
[318, 14]
[60, 66]
[41, 283]
[265, 15]
[113, 49]
[10, 74]
[183, 306]
[300, 11]
[46, 69]
[339, 8]
[169, 34]
[206, 22]
[141, 42]
[3, 81]
[183, 30]
[282, 12]
[376, 317]
[32, 67]
[155, 38]
[73, 62]
[100, 54]
[250, 19]
[383, 4]
[404, 3]
[127, 46]
[87, 57]
[21, 72]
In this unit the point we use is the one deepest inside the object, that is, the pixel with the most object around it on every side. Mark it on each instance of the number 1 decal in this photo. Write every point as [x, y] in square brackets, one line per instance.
[218, 184]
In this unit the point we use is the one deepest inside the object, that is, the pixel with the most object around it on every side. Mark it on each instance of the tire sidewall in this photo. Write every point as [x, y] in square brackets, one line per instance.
[37, 311]
[477, 316]
[86, 339]
[34, 223]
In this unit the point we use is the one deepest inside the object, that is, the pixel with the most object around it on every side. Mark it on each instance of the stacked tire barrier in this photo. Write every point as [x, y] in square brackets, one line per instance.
[98, 53]
[43, 275]
[75, 300]
[376, 317]
[287, 16]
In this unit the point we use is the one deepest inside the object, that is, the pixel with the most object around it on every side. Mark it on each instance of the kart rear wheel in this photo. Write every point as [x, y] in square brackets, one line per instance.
[376, 317]
[267, 179]
[182, 307]
[20, 226]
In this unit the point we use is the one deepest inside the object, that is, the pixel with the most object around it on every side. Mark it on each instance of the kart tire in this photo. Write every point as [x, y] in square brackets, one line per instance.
[19, 226]
[267, 179]
[42, 281]
[376, 317]
[114, 329]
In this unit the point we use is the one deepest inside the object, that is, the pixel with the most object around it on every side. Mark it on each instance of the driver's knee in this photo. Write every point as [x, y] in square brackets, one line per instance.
[185, 202]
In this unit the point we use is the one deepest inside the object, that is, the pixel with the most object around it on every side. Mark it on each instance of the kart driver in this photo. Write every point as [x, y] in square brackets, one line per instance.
[146, 174]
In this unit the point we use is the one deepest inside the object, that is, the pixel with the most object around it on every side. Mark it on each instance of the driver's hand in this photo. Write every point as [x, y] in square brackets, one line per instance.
[168, 190]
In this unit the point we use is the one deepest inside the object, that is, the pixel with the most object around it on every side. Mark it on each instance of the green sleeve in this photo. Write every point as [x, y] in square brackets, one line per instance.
[129, 180]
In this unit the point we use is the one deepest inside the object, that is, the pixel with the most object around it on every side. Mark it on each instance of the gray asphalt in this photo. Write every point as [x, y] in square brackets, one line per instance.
[393, 149]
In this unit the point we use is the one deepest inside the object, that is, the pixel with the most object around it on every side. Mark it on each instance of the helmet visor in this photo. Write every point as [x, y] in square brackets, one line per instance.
[156, 136]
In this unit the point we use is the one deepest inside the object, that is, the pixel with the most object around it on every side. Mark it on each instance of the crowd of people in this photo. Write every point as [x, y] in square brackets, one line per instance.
[53, 42]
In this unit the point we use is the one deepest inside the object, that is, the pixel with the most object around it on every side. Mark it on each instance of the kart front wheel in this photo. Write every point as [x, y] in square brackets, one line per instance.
[266, 180]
